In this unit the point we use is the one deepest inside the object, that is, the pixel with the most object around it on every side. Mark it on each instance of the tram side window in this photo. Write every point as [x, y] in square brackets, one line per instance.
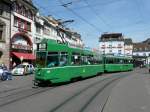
[75, 59]
[52, 59]
[110, 61]
[40, 59]
[125, 61]
[90, 59]
[84, 60]
[63, 59]
[97, 59]
[130, 61]
[121, 61]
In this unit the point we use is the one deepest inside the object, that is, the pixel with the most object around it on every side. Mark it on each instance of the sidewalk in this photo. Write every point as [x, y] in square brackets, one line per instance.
[131, 94]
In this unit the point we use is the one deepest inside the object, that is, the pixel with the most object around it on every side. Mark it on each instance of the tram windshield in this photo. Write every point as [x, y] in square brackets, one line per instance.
[40, 59]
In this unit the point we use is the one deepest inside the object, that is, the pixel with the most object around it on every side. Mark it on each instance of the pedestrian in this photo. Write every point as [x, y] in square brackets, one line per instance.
[14, 65]
[6, 74]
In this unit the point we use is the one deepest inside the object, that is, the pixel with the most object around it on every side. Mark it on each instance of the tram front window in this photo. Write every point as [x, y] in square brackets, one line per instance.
[52, 59]
[40, 59]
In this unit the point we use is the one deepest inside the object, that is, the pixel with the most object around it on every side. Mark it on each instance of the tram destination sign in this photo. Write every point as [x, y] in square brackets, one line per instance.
[42, 47]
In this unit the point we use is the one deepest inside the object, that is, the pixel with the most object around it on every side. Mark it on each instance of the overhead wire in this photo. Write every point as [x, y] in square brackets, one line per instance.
[97, 15]
[83, 19]
[45, 9]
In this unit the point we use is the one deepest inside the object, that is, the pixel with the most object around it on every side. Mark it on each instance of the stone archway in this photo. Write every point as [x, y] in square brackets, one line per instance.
[23, 36]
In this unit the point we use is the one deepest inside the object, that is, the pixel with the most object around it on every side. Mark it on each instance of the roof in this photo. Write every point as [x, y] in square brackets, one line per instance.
[128, 41]
[138, 47]
[29, 2]
[147, 41]
[111, 37]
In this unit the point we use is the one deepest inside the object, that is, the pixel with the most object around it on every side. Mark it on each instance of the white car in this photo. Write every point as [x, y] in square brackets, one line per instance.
[23, 69]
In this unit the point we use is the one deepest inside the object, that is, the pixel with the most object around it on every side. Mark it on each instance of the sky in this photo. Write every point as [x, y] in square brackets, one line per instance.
[95, 17]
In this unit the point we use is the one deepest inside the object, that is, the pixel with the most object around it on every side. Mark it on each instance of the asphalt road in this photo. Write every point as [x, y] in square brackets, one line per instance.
[90, 95]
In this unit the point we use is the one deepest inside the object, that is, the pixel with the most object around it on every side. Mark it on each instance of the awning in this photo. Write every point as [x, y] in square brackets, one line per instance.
[27, 56]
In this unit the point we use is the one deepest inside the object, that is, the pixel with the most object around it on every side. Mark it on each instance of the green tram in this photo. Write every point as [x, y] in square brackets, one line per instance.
[58, 62]
[61, 63]
[117, 63]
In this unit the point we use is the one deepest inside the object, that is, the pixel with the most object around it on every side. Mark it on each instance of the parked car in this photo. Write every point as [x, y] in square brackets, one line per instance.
[23, 69]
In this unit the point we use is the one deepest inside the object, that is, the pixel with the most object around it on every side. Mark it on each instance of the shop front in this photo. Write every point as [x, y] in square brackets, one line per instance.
[21, 50]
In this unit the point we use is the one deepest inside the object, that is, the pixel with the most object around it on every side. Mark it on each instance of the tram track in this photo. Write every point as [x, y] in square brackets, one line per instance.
[22, 95]
[96, 94]
[65, 102]
[13, 89]
[28, 92]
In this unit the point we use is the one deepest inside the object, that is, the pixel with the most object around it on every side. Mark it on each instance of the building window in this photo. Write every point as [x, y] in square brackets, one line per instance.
[110, 51]
[46, 31]
[28, 26]
[16, 21]
[29, 14]
[1, 32]
[135, 49]
[22, 24]
[23, 11]
[38, 29]
[1, 12]
[119, 51]
[140, 49]
[144, 54]
[110, 46]
[103, 52]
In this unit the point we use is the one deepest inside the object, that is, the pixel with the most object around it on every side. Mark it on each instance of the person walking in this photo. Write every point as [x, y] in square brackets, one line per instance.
[6, 75]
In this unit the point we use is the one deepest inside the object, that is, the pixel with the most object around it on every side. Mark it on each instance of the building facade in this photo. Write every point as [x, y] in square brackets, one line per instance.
[141, 53]
[5, 21]
[128, 47]
[22, 26]
[112, 43]
[50, 28]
